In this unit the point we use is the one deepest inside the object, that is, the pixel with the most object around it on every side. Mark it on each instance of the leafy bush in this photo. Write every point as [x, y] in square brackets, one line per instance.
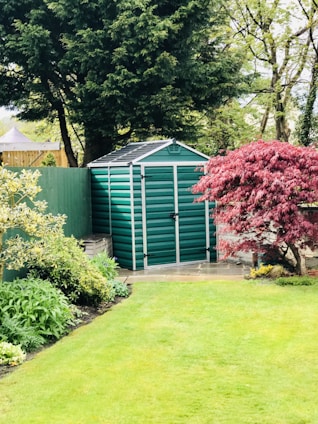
[277, 271]
[33, 312]
[20, 209]
[262, 271]
[106, 265]
[19, 334]
[109, 269]
[11, 354]
[61, 260]
[119, 289]
[49, 160]
[303, 280]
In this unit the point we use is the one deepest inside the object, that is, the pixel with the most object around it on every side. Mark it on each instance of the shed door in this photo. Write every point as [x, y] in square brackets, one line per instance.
[175, 229]
[193, 218]
[159, 219]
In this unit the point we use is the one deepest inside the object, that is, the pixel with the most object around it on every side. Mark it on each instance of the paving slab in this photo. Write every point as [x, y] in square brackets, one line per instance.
[202, 271]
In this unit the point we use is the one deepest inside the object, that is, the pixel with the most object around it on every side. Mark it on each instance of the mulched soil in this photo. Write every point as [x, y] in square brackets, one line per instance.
[313, 272]
[89, 314]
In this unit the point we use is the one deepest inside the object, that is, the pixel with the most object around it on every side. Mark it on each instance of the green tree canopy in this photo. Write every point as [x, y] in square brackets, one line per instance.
[121, 69]
[281, 43]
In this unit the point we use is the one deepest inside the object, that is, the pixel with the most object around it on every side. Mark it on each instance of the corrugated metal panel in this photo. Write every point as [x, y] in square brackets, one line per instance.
[192, 230]
[139, 247]
[213, 251]
[100, 201]
[121, 215]
[161, 242]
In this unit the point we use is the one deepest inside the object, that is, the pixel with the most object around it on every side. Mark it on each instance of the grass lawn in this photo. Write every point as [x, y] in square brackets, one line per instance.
[190, 353]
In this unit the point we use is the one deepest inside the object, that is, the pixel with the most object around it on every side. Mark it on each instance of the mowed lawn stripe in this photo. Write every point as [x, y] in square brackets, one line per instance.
[204, 352]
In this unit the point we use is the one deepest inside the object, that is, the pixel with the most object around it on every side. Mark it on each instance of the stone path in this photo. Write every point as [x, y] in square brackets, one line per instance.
[194, 272]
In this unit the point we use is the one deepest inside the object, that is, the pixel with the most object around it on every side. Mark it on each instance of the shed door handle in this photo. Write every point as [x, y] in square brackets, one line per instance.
[173, 215]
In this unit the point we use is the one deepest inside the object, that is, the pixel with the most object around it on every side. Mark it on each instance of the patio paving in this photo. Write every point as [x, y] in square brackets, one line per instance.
[194, 272]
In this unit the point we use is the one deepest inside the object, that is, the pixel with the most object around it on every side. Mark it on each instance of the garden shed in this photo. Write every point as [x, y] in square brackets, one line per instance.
[141, 196]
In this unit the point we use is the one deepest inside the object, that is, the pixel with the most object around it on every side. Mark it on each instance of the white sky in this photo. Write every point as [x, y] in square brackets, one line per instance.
[5, 113]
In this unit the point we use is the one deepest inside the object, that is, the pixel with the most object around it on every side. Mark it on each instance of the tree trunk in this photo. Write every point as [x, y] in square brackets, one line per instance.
[300, 268]
[282, 130]
[264, 120]
[72, 161]
[306, 120]
[96, 146]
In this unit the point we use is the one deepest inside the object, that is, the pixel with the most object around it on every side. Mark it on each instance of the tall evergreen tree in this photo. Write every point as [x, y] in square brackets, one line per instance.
[122, 69]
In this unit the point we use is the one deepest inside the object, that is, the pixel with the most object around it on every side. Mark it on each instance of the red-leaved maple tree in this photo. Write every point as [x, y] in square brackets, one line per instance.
[262, 192]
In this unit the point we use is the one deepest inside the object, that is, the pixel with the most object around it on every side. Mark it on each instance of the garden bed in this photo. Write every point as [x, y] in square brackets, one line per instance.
[89, 314]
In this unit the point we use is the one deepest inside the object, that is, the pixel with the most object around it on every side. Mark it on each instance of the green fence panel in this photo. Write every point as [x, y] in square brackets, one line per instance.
[66, 191]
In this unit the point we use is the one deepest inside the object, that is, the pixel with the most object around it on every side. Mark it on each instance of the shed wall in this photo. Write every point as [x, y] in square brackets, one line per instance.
[100, 200]
[117, 211]
[137, 225]
[121, 214]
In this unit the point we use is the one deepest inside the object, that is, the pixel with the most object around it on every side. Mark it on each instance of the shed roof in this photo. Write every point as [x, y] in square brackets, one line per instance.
[136, 152]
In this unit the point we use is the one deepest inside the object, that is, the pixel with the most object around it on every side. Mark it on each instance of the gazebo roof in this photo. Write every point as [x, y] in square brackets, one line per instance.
[14, 140]
[14, 136]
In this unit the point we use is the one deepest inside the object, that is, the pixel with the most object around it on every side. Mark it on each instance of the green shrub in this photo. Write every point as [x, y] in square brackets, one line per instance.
[49, 160]
[11, 354]
[303, 280]
[106, 265]
[11, 329]
[277, 271]
[120, 289]
[33, 312]
[62, 261]
[109, 269]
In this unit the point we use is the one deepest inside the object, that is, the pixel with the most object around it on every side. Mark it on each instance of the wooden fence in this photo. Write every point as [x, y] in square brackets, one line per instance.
[33, 158]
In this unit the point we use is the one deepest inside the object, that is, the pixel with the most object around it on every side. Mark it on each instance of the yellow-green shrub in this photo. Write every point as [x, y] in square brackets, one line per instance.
[262, 271]
[20, 210]
[63, 262]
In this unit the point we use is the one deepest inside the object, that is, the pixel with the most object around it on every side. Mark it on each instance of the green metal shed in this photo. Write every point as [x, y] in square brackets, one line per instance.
[141, 195]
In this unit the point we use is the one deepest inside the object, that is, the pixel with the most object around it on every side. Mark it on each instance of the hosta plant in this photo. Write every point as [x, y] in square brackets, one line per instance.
[120, 289]
[106, 265]
[11, 354]
[33, 312]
